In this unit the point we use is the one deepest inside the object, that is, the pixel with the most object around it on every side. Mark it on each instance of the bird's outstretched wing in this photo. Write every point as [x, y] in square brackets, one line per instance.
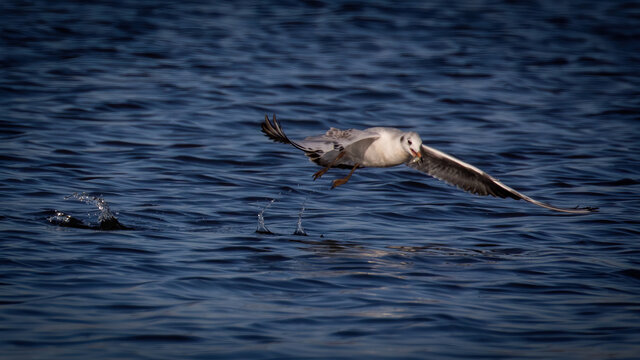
[469, 178]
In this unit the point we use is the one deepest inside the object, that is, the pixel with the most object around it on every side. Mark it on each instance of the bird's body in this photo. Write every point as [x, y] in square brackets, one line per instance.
[385, 147]
[373, 147]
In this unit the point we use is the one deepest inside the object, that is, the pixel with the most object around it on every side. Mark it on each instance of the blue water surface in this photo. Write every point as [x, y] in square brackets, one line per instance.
[150, 111]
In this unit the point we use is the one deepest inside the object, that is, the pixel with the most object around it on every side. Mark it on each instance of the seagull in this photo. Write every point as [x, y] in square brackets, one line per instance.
[385, 147]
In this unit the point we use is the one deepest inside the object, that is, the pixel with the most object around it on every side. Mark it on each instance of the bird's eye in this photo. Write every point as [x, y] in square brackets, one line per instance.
[409, 142]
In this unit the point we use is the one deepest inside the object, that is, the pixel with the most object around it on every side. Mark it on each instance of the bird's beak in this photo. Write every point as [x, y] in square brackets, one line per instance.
[415, 154]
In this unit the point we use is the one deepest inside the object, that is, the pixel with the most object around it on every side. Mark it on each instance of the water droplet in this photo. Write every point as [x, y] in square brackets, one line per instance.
[262, 229]
[299, 230]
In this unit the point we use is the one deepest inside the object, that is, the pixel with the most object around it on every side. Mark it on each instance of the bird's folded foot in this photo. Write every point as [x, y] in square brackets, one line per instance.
[319, 173]
[325, 169]
[338, 182]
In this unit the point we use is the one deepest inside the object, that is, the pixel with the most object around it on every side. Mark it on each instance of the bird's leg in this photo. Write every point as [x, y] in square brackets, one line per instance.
[325, 169]
[344, 180]
[320, 172]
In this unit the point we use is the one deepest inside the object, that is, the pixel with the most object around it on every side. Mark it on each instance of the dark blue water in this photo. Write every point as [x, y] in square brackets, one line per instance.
[151, 111]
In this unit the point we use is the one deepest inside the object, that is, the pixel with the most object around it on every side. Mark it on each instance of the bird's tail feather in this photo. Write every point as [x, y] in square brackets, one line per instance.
[274, 131]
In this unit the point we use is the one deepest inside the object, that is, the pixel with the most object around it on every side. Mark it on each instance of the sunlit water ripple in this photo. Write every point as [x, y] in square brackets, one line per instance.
[147, 114]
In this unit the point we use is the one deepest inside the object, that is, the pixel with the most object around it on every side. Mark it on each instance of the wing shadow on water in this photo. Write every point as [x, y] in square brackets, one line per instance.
[481, 251]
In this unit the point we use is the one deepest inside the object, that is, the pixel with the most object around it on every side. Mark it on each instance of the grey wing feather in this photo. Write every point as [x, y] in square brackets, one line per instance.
[342, 138]
[469, 178]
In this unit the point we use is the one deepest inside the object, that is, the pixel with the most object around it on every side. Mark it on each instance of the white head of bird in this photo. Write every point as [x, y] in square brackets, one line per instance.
[411, 143]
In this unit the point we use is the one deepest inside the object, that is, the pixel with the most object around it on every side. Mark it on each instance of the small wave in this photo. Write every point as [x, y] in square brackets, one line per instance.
[106, 219]
[59, 218]
[160, 338]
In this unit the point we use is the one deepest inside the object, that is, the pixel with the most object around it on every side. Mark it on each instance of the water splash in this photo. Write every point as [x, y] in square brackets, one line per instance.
[262, 229]
[105, 211]
[299, 230]
[106, 219]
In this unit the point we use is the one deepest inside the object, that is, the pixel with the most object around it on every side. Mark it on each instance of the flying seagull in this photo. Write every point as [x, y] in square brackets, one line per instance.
[384, 147]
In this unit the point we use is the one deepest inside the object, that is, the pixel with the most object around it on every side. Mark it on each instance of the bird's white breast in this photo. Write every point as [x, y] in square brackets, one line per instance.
[385, 151]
